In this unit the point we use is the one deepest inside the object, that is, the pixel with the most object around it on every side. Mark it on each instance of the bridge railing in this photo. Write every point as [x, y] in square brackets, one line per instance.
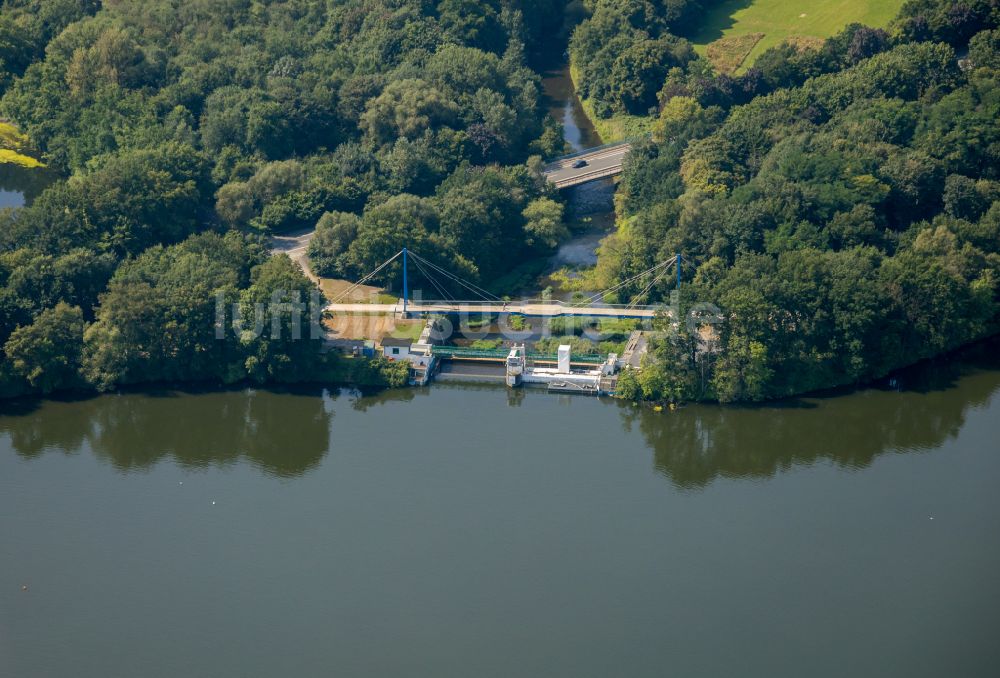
[513, 305]
[594, 149]
[585, 177]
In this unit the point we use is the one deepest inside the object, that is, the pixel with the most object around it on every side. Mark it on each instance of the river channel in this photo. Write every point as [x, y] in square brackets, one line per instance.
[590, 207]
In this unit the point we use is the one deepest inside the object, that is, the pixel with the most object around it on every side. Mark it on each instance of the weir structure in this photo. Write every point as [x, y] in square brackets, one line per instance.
[563, 372]
[562, 378]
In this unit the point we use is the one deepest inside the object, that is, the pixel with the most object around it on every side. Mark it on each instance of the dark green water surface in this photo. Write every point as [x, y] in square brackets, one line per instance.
[470, 532]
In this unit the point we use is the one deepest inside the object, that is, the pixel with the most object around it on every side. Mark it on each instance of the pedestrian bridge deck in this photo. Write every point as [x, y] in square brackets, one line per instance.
[541, 309]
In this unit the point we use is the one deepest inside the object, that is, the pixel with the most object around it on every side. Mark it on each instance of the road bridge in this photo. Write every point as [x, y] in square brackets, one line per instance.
[594, 163]
[598, 163]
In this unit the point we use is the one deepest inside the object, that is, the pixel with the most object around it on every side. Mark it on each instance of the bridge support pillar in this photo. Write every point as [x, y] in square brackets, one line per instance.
[406, 289]
[515, 365]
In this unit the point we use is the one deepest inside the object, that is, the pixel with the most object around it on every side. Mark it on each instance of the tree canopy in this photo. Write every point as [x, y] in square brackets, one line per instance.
[185, 131]
[846, 225]
[838, 202]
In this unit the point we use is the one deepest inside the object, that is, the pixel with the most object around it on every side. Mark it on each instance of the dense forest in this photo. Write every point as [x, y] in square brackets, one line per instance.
[845, 218]
[838, 203]
[187, 131]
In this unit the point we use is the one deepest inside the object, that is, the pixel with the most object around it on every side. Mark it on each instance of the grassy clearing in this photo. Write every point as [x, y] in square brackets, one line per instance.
[372, 327]
[617, 127]
[12, 141]
[362, 294]
[727, 54]
[15, 158]
[408, 329]
[780, 20]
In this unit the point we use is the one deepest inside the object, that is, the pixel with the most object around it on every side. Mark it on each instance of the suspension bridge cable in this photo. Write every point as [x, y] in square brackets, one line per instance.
[440, 289]
[439, 286]
[648, 287]
[692, 261]
[431, 280]
[628, 281]
[424, 268]
[358, 284]
[365, 279]
[475, 289]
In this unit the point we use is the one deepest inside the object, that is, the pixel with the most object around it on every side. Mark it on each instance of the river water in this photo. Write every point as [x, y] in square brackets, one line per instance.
[456, 531]
[590, 207]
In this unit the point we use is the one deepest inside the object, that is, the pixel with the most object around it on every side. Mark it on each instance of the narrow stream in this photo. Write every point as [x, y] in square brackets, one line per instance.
[564, 105]
[590, 207]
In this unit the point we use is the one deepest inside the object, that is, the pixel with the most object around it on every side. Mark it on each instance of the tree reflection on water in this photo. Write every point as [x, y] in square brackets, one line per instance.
[286, 433]
[916, 410]
[283, 436]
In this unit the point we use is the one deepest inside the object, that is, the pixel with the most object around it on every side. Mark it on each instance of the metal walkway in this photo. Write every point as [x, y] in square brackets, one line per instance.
[500, 354]
[546, 309]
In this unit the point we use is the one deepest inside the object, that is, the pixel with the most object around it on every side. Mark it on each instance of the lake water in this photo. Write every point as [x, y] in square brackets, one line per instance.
[11, 199]
[456, 531]
[19, 185]
[459, 531]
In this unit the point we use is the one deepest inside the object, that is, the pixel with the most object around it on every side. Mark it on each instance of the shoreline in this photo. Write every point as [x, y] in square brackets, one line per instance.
[971, 352]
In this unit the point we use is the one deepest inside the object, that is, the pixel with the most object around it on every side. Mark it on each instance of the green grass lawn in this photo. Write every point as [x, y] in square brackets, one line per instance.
[780, 20]
[408, 329]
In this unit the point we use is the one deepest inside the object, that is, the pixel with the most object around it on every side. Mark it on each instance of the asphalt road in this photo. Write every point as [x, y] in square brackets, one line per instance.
[601, 163]
[292, 243]
[295, 246]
